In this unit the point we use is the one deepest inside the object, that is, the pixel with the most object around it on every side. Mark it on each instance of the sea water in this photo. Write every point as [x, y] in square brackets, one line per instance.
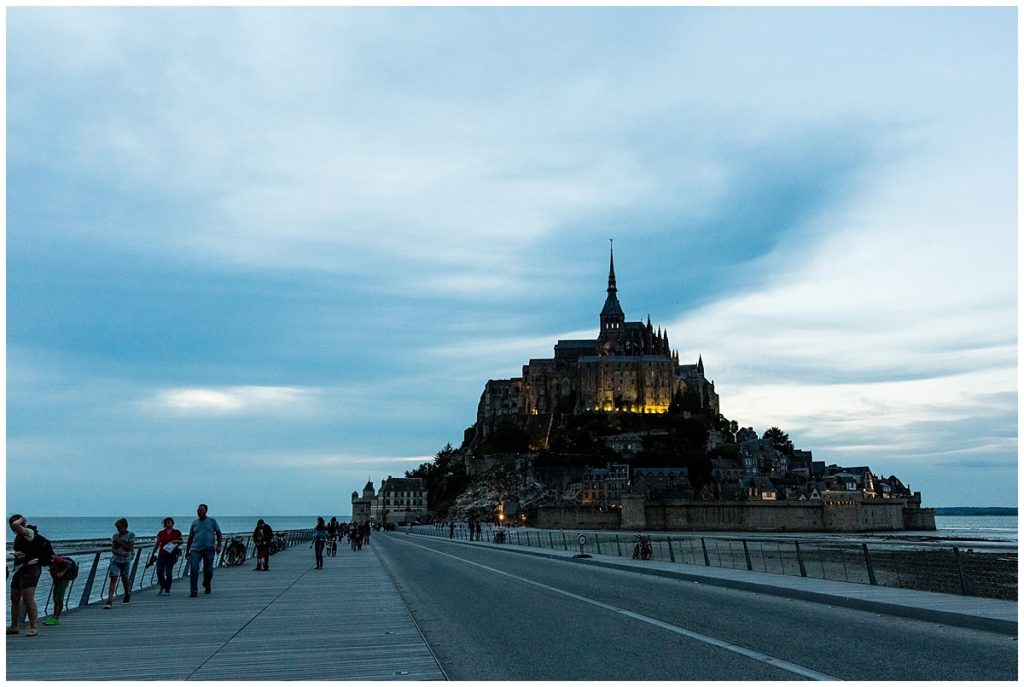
[986, 527]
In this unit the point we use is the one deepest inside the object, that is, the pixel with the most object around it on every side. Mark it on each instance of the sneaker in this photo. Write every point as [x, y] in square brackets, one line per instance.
[127, 598]
[12, 630]
[52, 621]
[192, 595]
[206, 591]
[107, 605]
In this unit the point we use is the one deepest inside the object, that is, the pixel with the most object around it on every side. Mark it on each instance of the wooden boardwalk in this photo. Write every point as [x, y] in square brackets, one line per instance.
[345, 622]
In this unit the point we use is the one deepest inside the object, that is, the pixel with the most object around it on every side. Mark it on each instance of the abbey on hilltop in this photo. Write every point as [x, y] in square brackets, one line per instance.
[629, 367]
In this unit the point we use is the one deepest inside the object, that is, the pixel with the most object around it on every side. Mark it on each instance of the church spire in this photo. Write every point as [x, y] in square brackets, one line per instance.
[611, 268]
[612, 317]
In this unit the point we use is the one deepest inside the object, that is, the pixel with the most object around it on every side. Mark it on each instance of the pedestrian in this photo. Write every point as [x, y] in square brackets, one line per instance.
[451, 529]
[203, 544]
[166, 551]
[319, 539]
[261, 537]
[62, 571]
[31, 552]
[333, 529]
[478, 530]
[121, 546]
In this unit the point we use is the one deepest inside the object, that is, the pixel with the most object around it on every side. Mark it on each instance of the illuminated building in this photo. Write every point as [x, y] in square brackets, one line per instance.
[629, 367]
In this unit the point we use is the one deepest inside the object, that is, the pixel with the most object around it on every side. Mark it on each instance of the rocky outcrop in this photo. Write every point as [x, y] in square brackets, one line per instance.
[511, 480]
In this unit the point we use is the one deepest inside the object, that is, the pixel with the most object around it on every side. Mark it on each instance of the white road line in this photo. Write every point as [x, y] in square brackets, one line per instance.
[743, 651]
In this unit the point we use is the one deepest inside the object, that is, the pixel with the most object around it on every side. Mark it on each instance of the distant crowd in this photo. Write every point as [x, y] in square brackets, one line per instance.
[33, 552]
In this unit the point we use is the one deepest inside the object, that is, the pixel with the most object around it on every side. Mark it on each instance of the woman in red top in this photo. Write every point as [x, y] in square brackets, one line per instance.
[166, 550]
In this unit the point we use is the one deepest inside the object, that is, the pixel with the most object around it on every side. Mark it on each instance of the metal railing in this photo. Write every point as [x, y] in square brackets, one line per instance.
[91, 584]
[952, 570]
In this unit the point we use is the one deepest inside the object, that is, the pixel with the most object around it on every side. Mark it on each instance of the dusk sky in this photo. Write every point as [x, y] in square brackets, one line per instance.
[256, 257]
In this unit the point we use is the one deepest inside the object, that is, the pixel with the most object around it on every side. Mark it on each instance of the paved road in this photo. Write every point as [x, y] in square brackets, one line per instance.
[497, 615]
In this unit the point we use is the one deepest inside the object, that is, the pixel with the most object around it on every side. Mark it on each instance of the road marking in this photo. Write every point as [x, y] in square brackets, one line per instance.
[735, 648]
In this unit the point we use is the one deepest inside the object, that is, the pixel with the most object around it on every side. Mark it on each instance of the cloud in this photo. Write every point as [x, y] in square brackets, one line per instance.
[275, 227]
[316, 461]
[233, 400]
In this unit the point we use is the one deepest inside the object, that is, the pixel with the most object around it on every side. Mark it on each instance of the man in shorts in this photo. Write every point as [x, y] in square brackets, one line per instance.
[31, 552]
[121, 545]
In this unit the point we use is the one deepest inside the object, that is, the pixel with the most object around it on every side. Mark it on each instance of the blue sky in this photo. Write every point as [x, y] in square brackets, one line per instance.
[258, 256]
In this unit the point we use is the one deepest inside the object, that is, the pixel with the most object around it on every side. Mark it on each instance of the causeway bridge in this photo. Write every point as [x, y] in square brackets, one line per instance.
[413, 606]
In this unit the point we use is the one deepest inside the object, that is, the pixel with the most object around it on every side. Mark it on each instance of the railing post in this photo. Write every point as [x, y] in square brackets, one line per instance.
[704, 547]
[800, 560]
[565, 544]
[965, 585]
[618, 546]
[746, 554]
[597, 543]
[135, 566]
[871, 569]
[89, 581]
[551, 541]
[49, 597]
[671, 553]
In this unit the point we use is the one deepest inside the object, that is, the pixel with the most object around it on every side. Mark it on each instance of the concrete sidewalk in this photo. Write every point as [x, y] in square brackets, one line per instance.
[345, 622]
[994, 615]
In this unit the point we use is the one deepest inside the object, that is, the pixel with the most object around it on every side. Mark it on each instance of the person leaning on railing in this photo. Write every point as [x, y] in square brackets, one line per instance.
[31, 552]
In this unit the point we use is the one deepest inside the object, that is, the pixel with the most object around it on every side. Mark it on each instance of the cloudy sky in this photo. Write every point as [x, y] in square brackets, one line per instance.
[258, 256]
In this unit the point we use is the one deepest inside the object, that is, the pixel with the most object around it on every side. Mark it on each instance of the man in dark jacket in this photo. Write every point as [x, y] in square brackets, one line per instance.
[262, 536]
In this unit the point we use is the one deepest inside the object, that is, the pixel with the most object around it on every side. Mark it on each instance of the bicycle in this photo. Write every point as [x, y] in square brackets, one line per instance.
[234, 553]
[278, 543]
[642, 550]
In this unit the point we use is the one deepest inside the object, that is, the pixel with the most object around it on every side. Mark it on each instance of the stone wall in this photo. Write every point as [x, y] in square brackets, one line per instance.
[576, 518]
[750, 516]
[919, 518]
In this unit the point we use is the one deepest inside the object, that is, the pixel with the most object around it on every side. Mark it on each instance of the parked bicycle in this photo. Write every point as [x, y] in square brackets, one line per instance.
[642, 550]
[278, 543]
[234, 553]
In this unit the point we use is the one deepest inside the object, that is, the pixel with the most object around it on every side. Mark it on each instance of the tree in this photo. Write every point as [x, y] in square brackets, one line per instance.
[779, 439]
[445, 478]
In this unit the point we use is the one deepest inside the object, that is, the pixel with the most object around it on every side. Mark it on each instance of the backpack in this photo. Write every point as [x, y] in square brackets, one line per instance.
[46, 553]
[72, 572]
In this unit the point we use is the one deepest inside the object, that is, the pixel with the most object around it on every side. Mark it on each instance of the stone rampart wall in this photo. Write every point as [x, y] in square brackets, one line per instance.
[919, 518]
[576, 518]
[800, 516]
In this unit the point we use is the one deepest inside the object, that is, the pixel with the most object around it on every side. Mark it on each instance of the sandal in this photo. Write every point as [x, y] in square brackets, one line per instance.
[12, 630]
[32, 632]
